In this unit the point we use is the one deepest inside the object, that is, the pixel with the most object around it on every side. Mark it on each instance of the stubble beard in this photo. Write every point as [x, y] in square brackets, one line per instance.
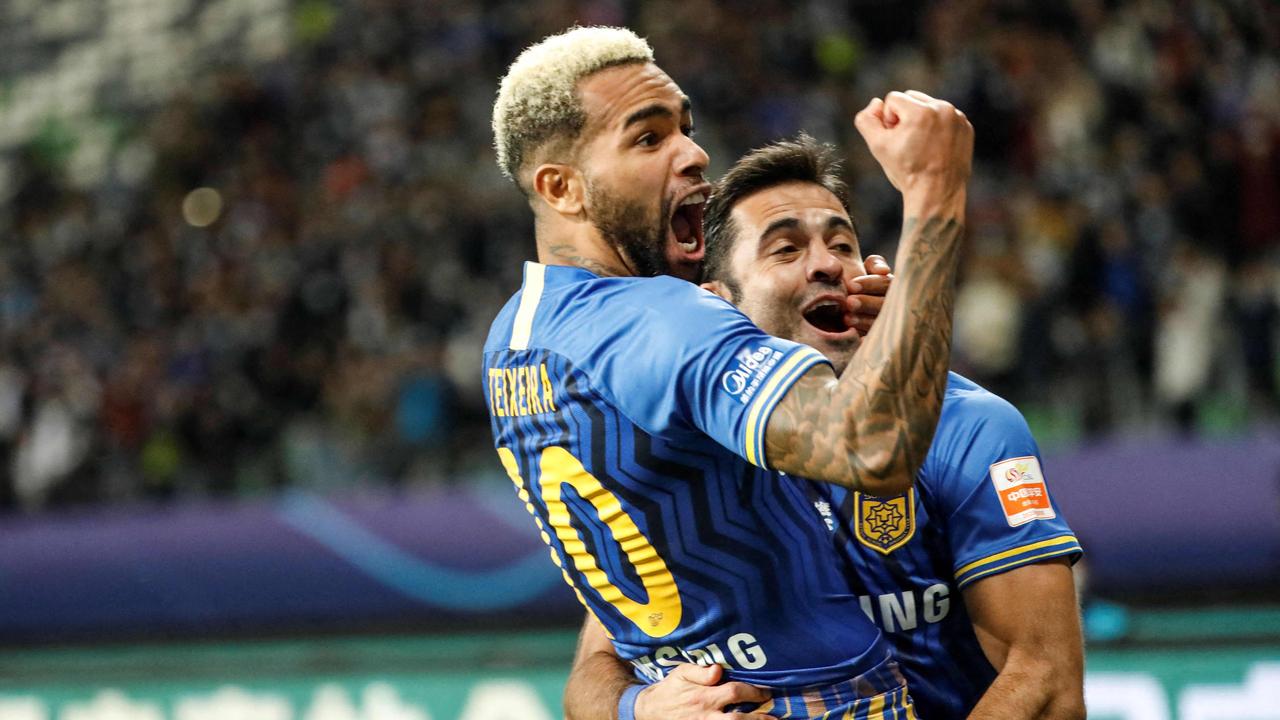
[641, 240]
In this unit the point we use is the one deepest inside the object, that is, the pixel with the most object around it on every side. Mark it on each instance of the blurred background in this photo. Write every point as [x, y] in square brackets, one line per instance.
[249, 250]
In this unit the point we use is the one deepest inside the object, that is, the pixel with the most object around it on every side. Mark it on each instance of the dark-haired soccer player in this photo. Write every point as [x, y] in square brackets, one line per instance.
[967, 572]
[647, 424]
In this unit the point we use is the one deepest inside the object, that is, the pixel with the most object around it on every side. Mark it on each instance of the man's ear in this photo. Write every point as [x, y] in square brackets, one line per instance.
[718, 288]
[559, 186]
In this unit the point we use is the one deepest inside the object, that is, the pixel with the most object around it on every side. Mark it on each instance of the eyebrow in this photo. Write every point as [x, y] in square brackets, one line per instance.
[787, 223]
[655, 110]
[838, 222]
[790, 223]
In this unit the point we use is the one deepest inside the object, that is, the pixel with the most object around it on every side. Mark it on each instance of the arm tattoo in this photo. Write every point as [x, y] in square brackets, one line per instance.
[872, 429]
[569, 254]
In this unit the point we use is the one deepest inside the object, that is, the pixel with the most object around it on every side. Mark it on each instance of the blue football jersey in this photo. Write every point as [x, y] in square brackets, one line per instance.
[980, 506]
[630, 415]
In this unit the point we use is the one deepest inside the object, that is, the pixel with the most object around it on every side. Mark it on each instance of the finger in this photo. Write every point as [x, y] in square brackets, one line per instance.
[873, 284]
[898, 97]
[891, 116]
[903, 105]
[932, 101]
[697, 674]
[869, 305]
[852, 306]
[871, 117]
[739, 692]
[862, 323]
[876, 265]
[922, 97]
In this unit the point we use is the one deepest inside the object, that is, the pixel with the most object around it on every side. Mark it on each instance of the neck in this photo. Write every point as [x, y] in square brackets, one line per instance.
[578, 243]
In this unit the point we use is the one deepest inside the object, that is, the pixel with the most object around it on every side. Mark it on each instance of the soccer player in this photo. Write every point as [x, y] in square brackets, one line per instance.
[968, 571]
[647, 424]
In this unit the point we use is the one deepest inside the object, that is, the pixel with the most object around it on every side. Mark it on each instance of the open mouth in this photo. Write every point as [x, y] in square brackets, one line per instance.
[827, 316]
[686, 226]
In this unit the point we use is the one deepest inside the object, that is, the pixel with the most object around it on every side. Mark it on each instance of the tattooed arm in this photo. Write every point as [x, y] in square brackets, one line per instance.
[870, 430]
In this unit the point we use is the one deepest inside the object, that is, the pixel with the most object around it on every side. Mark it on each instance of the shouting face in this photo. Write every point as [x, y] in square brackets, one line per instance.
[642, 171]
[794, 252]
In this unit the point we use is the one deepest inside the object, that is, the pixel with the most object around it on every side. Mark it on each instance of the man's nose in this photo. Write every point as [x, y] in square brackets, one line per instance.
[693, 160]
[823, 265]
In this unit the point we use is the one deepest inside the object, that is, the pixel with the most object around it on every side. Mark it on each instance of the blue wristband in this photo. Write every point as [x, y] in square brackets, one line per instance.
[627, 703]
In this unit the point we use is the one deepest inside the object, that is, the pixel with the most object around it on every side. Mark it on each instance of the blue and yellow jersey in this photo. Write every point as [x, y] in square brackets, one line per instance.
[980, 506]
[630, 413]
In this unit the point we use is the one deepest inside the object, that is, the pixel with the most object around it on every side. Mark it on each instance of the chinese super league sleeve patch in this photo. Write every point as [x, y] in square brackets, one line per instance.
[1023, 494]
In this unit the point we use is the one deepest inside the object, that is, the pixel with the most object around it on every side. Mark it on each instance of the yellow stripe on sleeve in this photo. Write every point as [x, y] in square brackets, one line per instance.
[1015, 563]
[755, 426]
[1052, 542]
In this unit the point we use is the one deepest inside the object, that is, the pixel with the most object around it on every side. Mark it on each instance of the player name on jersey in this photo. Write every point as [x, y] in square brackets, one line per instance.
[520, 391]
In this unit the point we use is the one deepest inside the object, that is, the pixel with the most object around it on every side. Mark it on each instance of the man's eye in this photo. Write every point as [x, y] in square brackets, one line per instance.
[647, 140]
[784, 249]
[842, 247]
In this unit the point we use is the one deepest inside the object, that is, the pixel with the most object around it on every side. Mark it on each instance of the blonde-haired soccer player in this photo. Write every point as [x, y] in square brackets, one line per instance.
[650, 427]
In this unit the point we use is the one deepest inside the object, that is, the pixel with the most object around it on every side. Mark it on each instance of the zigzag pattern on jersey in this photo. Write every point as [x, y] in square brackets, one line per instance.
[697, 524]
[721, 524]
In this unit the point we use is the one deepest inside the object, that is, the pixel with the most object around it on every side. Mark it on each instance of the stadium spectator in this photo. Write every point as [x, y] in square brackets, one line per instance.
[318, 318]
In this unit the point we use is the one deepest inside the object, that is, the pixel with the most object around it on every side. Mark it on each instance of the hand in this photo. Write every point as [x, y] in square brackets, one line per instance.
[866, 294]
[924, 145]
[691, 692]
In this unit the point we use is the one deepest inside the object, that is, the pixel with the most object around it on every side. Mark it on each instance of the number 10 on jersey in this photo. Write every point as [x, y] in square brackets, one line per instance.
[660, 614]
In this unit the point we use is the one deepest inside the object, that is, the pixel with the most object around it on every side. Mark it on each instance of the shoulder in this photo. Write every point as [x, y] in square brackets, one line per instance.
[977, 428]
[970, 411]
[658, 297]
[633, 297]
[500, 329]
[599, 323]
[665, 310]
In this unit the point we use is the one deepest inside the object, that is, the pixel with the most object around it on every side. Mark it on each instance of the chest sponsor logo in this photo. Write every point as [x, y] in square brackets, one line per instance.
[743, 651]
[1023, 494]
[749, 370]
[904, 611]
[884, 524]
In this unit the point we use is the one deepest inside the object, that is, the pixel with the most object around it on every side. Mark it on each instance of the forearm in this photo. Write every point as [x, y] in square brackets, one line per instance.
[1028, 624]
[903, 362]
[1030, 689]
[598, 678]
[597, 682]
[871, 429]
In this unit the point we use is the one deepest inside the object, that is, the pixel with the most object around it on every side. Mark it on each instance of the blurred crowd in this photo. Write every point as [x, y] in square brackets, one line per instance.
[286, 275]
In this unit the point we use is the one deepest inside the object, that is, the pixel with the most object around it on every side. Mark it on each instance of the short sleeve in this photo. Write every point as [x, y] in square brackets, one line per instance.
[999, 511]
[681, 357]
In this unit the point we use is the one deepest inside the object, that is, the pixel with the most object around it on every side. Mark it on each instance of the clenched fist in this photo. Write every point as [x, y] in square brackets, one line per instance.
[925, 146]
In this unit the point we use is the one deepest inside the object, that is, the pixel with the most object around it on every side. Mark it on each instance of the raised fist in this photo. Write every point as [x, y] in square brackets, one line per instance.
[925, 145]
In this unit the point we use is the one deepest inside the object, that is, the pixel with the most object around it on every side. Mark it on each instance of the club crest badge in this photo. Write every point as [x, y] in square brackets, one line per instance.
[884, 524]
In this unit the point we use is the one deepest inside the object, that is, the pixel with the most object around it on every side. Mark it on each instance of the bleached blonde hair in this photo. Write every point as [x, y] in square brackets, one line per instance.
[538, 100]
